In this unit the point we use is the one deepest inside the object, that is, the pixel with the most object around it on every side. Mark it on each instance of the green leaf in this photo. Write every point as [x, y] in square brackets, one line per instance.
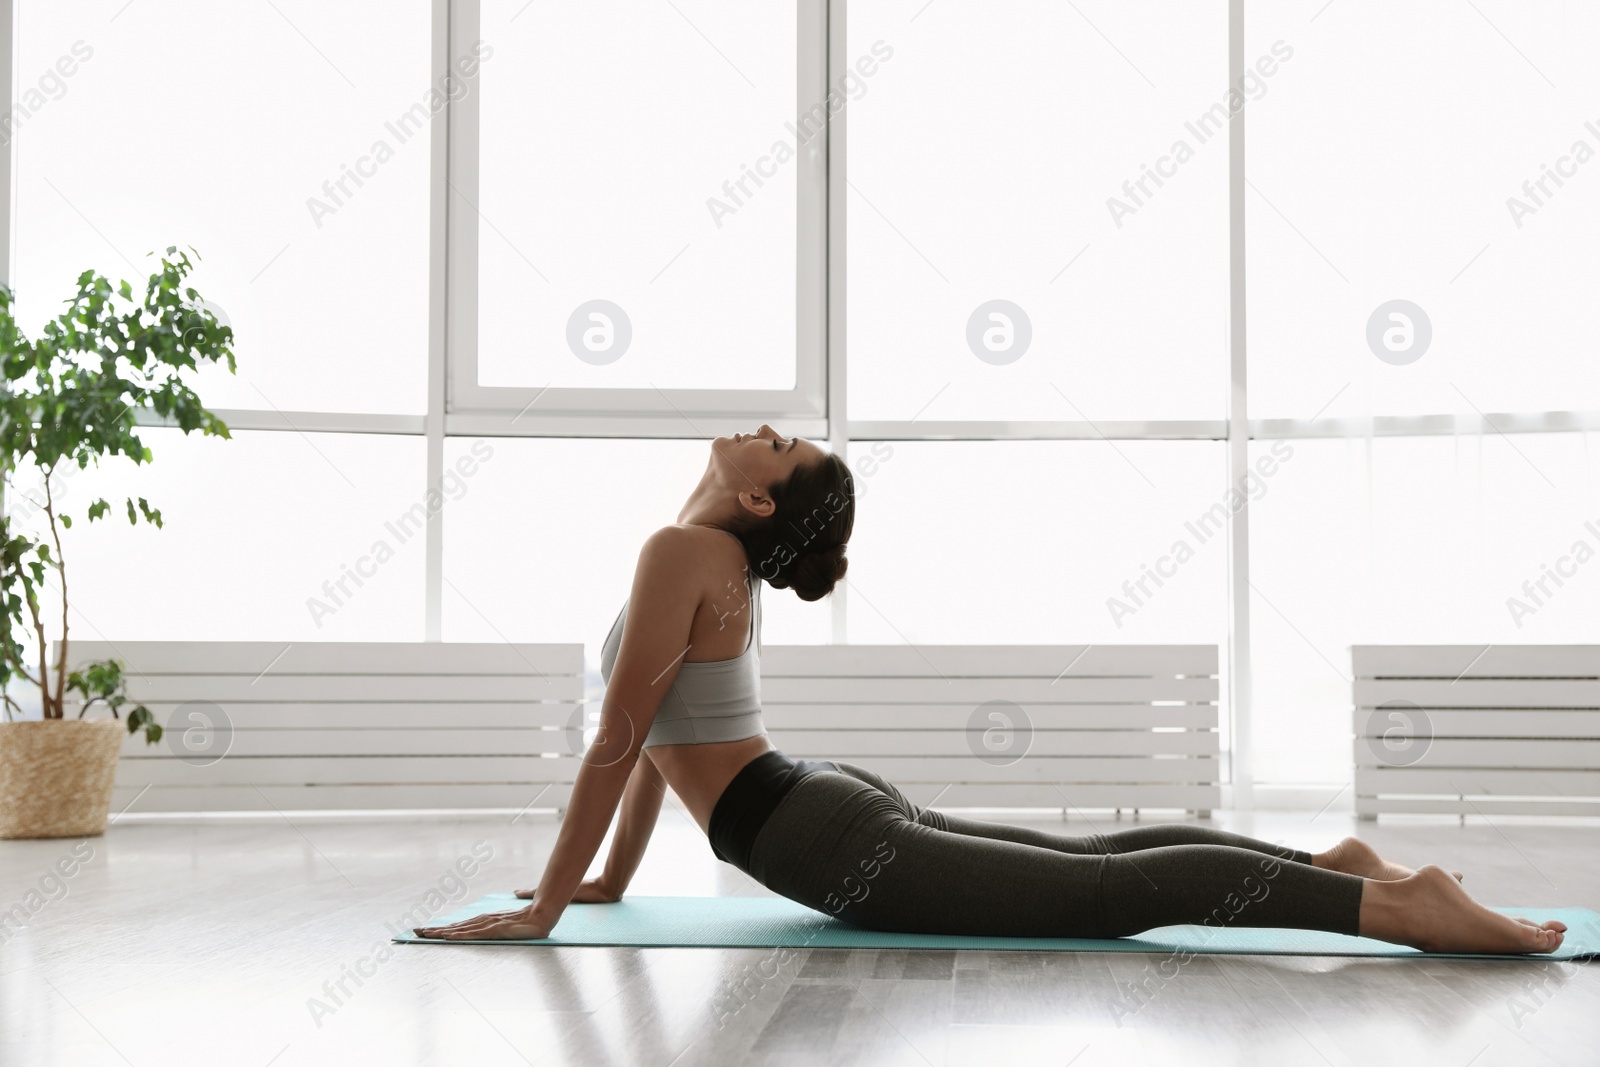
[150, 513]
[139, 718]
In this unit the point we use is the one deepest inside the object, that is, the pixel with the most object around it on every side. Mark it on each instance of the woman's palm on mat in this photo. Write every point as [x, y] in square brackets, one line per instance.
[520, 924]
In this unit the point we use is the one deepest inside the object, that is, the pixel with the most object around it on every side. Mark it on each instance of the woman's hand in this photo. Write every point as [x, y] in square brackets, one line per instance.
[593, 891]
[519, 925]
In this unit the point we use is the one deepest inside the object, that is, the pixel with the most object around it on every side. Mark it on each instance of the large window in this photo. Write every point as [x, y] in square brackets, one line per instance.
[1424, 540]
[635, 207]
[1018, 261]
[282, 142]
[269, 536]
[1423, 200]
[1423, 204]
[1015, 252]
[1035, 542]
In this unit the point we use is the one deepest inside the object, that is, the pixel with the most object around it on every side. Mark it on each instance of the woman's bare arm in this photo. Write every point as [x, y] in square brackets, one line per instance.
[655, 636]
[641, 806]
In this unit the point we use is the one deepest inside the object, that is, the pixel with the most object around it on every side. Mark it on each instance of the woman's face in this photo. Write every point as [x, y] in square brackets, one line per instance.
[763, 457]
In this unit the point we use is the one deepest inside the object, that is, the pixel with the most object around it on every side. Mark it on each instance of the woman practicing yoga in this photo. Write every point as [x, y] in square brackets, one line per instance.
[682, 708]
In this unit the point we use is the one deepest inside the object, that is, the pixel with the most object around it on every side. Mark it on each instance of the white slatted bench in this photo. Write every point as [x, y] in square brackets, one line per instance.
[1112, 726]
[1507, 729]
[347, 725]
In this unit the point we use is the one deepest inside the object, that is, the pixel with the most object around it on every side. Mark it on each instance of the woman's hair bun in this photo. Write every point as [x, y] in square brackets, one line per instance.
[816, 502]
[816, 573]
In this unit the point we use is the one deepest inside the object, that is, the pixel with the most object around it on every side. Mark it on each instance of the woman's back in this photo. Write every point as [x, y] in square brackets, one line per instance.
[710, 716]
[710, 701]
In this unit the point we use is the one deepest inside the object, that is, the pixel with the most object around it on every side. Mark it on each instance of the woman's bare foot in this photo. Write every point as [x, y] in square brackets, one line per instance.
[1430, 911]
[1355, 856]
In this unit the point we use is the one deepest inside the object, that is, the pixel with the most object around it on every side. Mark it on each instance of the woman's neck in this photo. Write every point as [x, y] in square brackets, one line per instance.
[706, 506]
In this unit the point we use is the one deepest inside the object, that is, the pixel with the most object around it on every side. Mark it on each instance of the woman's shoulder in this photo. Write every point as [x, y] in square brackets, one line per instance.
[686, 552]
[678, 541]
[683, 541]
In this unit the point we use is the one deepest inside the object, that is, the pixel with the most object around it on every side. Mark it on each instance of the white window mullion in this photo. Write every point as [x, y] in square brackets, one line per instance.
[8, 58]
[837, 237]
[443, 46]
[1238, 461]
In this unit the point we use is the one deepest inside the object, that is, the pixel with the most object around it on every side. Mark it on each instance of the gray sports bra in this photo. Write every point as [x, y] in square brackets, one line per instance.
[710, 700]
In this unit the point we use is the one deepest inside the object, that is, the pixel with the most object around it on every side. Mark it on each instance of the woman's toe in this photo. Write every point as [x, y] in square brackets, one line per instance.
[1545, 937]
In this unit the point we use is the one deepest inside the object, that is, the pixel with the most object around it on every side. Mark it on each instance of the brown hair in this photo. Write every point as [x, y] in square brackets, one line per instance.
[801, 545]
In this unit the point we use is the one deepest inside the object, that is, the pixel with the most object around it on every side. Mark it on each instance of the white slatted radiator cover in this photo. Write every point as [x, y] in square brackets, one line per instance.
[1053, 726]
[1477, 730]
[254, 726]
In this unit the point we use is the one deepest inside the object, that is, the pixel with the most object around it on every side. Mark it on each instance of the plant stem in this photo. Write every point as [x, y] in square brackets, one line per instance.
[61, 569]
[5, 622]
[44, 658]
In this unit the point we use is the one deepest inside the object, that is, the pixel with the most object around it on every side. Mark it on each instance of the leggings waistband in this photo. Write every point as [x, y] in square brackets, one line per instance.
[750, 799]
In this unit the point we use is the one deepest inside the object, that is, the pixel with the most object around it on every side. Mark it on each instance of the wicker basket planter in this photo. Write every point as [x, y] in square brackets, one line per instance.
[56, 776]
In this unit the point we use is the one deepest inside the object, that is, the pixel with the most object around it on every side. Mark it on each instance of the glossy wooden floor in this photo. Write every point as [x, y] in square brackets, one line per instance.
[214, 942]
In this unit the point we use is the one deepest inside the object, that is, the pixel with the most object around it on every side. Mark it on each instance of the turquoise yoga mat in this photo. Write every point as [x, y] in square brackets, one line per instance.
[763, 922]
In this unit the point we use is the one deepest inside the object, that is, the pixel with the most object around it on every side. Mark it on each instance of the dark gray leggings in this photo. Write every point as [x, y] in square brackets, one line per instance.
[849, 844]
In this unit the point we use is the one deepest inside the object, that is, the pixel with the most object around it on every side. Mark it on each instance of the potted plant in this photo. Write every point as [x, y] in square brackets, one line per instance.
[67, 399]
